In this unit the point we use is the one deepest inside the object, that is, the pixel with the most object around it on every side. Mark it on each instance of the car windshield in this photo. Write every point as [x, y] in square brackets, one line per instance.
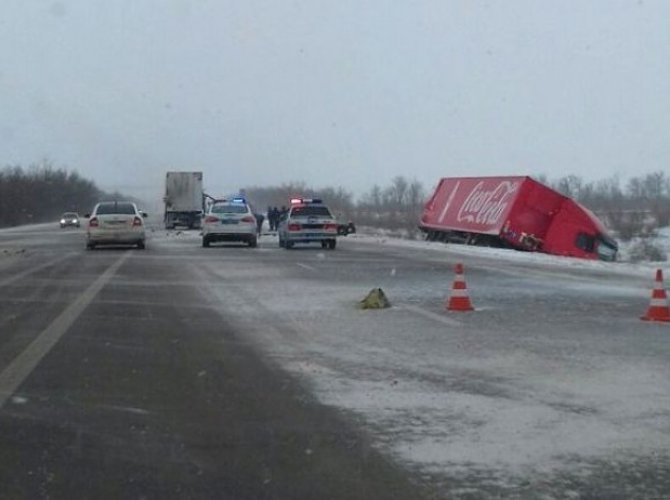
[310, 210]
[69, 215]
[229, 209]
[607, 249]
[115, 208]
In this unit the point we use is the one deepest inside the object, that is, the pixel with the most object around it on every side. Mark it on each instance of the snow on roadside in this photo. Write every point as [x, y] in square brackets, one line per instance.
[515, 256]
[485, 397]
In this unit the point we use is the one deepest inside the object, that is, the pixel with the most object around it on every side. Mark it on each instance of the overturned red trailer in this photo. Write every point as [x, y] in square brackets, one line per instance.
[516, 212]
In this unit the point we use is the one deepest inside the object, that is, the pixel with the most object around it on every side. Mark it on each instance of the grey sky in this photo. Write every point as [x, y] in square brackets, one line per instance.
[337, 92]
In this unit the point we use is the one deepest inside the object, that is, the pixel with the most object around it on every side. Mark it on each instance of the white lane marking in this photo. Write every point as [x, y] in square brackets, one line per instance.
[27, 272]
[306, 266]
[21, 366]
[431, 315]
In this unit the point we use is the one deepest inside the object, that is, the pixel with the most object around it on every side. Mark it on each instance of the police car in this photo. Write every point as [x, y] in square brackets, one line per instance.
[308, 221]
[229, 220]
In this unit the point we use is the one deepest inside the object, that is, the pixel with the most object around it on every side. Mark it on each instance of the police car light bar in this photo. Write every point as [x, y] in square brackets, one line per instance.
[239, 200]
[295, 201]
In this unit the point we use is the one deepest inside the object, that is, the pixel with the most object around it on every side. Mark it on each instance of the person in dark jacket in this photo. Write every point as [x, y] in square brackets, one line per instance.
[275, 218]
[259, 223]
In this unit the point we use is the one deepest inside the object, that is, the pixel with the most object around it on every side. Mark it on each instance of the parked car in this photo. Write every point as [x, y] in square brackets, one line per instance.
[69, 219]
[229, 220]
[345, 228]
[115, 223]
[308, 221]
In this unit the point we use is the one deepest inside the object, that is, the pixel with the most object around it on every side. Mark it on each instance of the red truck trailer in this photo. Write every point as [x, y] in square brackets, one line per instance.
[516, 212]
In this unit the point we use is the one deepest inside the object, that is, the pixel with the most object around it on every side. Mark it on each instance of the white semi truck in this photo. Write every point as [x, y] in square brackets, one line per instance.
[184, 199]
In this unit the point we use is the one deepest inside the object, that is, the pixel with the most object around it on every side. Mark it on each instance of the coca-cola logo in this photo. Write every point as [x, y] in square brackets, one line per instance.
[486, 207]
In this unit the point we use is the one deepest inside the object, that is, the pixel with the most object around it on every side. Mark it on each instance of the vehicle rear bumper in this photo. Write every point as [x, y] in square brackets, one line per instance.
[310, 238]
[229, 236]
[242, 231]
[115, 237]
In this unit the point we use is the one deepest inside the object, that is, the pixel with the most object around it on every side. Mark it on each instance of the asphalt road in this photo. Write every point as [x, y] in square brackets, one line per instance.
[119, 379]
[230, 372]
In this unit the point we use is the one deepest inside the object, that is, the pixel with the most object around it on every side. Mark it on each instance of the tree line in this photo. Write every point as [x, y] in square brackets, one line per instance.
[634, 208]
[396, 206]
[42, 192]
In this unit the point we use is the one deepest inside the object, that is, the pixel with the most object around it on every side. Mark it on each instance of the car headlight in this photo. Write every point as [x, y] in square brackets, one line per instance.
[75, 221]
[62, 221]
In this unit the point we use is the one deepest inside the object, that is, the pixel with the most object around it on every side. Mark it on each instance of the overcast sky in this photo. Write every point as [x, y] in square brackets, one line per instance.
[341, 92]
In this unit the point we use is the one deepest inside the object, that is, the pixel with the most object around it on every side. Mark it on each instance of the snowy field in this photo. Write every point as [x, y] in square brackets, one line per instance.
[553, 385]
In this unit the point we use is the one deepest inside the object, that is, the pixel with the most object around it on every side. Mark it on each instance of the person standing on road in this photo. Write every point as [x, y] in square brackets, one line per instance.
[259, 223]
[275, 218]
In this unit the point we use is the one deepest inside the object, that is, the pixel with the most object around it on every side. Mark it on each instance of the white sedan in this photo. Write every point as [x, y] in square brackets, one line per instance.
[229, 221]
[115, 223]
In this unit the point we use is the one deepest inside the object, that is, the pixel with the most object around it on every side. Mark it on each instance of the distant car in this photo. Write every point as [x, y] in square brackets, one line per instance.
[308, 221]
[229, 220]
[70, 219]
[115, 223]
[345, 228]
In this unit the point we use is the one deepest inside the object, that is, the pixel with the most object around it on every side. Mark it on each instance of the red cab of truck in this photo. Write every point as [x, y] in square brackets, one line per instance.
[516, 212]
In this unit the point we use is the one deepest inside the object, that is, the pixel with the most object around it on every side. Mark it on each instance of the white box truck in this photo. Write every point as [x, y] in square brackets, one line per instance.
[183, 199]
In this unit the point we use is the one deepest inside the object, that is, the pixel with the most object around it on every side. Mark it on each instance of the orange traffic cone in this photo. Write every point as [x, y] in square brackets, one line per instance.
[458, 298]
[658, 308]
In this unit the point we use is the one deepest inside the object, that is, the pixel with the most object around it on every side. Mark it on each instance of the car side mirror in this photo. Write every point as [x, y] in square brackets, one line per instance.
[145, 215]
[87, 216]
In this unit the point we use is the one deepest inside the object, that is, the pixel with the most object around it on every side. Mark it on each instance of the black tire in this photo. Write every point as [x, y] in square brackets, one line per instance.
[332, 244]
[253, 243]
[205, 242]
[281, 243]
[324, 244]
[288, 245]
[141, 245]
[90, 246]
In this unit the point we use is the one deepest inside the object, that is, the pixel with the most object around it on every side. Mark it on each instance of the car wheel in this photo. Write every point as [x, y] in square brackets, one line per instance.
[281, 243]
[205, 241]
[253, 243]
[324, 244]
[332, 244]
[141, 245]
[288, 245]
[90, 246]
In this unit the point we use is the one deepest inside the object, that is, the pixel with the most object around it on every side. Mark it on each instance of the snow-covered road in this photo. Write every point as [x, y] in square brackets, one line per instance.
[553, 386]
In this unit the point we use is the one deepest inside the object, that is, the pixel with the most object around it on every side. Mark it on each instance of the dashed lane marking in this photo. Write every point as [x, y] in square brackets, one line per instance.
[19, 369]
[305, 266]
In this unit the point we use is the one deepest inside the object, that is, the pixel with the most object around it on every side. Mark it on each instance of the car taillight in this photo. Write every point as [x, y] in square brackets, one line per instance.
[330, 227]
[137, 221]
[211, 218]
[248, 218]
[93, 222]
[294, 227]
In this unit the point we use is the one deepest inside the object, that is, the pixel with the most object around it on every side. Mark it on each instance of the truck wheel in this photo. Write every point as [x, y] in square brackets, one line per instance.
[332, 243]
[253, 243]
[205, 241]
